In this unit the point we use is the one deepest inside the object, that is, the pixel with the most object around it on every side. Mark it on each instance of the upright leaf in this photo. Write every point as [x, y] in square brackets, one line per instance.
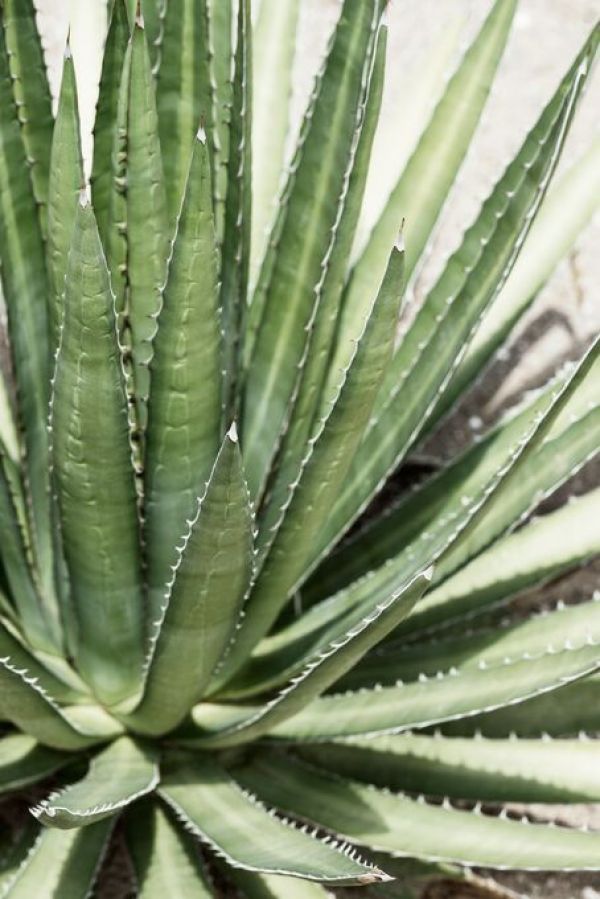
[423, 187]
[220, 63]
[287, 554]
[213, 807]
[166, 860]
[65, 184]
[304, 235]
[474, 275]
[154, 12]
[203, 602]
[94, 475]
[314, 393]
[25, 291]
[62, 864]
[106, 114]
[238, 210]
[31, 93]
[184, 412]
[117, 777]
[182, 90]
[275, 42]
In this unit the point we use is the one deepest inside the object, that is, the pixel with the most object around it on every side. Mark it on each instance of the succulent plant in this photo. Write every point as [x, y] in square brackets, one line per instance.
[271, 672]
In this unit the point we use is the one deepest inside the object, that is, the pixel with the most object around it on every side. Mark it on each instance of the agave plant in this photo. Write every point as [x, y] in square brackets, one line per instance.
[203, 635]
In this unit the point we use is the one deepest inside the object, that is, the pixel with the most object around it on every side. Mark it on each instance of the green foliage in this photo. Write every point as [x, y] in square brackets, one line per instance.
[186, 641]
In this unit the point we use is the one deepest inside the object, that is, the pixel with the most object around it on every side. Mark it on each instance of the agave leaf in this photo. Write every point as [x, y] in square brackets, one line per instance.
[118, 776]
[13, 646]
[564, 214]
[182, 90]
[61, 864]
[323, 472]
[314, 395]
[24, 287]
[106, 114]
[275, 43]
[572, 439]
[17, 559]
[238, 210]
[284, 654]
[166, 861]
[15, 849]
[184, 412]
[538, 552]
[423, 187]
[403, 827]
[572, 626]
[573, 710]
[154, 13]
[315, 193]
[474, 275]
[24, 762]
[31, 93]
[65, 184]
[455, 694]
[203, 602]
[147, 232]
[220, 67]
[274, 886]
[326, 665]
[8, 428]
[24, 702]
[229, 820]
[92, 460]
[483, 770]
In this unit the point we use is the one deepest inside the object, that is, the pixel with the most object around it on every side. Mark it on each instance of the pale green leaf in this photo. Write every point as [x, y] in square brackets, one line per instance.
[24, 762]
[479, 769]
[166, 860]
[203, 601]
[118, 776]
[406, 828]
[184, 410]
[94, 477]
[229, 820]
[291, 277]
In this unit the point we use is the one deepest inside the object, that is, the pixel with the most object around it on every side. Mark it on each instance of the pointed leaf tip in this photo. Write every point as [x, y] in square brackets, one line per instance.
[233, 433]
[201, 134]
[84, 200]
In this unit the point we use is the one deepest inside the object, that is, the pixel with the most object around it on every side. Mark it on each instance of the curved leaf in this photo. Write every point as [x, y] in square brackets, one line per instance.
[434, 344]
[166, 861]
[61, 864]
[184, 409]
[326, 666]
[14, 646]
[244, 833]
[117, 777]
[431, 700]
[483, 770]
[203, 602]
[404, 827]
[564, 214]
[93, 474]
[423, 187]
[317, 188]
[24, 702]
[287, 542]
[24, 762]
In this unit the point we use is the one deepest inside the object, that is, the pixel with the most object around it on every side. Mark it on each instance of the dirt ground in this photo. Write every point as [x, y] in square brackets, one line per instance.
[546, 36]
